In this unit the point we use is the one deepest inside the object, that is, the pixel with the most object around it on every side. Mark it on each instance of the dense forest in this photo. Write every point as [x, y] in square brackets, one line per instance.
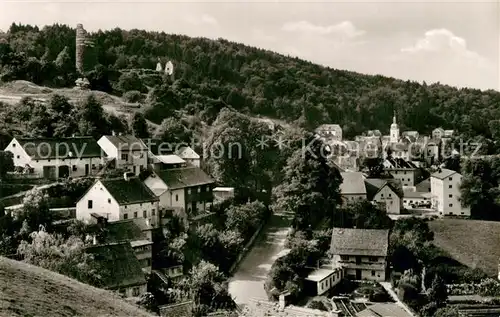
[211, 75]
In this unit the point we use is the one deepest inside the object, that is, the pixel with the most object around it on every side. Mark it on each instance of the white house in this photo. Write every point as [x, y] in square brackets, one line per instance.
[362, 253]
[184, 191]
[189, 155]
[445, 191]
[386, 193]
[223, 193]
[322, 279]
[129, 152]
[54, 158]
[353, 186]
[118, 199]
[405, 171]
[329, 132]
[415, 199]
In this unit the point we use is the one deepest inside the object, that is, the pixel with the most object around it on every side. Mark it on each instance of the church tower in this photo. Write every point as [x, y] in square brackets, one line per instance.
[394, 130]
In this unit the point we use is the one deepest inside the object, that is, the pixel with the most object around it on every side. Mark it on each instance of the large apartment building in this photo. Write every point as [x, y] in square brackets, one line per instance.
[445, 193]
[362, 253]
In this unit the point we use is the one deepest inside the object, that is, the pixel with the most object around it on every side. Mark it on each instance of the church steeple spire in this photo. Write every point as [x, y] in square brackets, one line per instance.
[394, 129]
[394, 118]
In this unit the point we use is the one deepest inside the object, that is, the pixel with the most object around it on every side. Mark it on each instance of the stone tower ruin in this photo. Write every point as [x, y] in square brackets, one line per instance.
[81, 36]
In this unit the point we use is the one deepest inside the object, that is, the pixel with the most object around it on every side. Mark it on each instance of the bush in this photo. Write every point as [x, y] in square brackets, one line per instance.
[133, 96]
[316, 304]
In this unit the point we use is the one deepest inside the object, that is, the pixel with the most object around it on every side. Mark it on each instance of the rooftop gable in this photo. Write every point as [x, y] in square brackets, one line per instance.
[184, 177]
[131, 191]
[352, 183]
[368, 242]
[126, 230]
[53, 148]
[374, 185]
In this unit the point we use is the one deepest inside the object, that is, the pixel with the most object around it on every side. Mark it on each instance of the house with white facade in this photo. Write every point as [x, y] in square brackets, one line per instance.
[189, 155]
[54, 158]
[186, 191]
[406, 171]
[322, 279]
[329, 132]
[445, 191]
[119, 199]
[352, 187]
[362, 253]
[386, 193]
[129, 152]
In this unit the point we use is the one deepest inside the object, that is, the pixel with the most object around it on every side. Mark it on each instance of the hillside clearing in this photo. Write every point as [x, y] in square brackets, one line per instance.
[28, 290]
[471, 242]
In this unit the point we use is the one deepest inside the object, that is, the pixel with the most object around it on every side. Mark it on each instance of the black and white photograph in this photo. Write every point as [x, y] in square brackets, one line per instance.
[249, 158]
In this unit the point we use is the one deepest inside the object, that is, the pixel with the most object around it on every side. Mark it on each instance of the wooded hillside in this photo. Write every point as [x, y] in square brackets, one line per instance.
[210, 75]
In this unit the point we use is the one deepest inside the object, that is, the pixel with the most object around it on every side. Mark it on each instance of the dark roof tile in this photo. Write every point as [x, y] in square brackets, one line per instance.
[184, 177]
[52, 148]
[367, 242]
[127, 192]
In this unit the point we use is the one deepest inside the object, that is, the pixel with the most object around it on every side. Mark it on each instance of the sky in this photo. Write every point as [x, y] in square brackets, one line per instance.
[455, 43]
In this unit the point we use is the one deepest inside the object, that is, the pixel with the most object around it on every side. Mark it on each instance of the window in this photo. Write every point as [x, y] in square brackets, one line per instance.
[450, 205]
[373, 273]
[135, 291]
[404, 201]
[74, 168]
[390, 195]
[450, 178]
[409, 180]
[109, 200]
[18, 156]
[404, 172]
[135, 214]
[125, 207]
[14, 145]
[89, 204]
[153, 212]
[450, 195]
[93, 166]
[382, 195]
[344, 257]
[125, 157]
[462, 213]
[373, 259]
[125, 216]
[144, 214]
[176, 197]
[449, 186]
[48, 160]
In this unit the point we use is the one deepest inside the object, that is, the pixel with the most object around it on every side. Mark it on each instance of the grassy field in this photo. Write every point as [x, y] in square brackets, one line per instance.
[27, 290]
[471, 242]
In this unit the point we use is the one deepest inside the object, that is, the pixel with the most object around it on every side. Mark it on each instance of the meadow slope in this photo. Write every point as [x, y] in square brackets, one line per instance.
[27, 290]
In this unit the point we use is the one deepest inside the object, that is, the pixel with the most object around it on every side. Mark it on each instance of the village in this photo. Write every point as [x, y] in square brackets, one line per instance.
[181, 195]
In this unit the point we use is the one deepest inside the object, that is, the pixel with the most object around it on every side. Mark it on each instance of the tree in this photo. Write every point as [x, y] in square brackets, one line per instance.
[140, 126]
[36, 209]
[64, 256]
[6, 163]
[91, 118]
[173, 132]
[245, 218]
[206, 286]
[129, 81]
[62, 116]
[363, 215]
[438, 292]
[310, 187]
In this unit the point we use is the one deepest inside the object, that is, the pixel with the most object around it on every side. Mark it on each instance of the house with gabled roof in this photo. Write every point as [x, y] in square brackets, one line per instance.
[130, 153]
[189, 155]
[353, 186]
[445, 193]
[161, 155]
[137, 231]
[184, 191]
[119, 199]
[362, 253]
[54, 158]
[120, 270]
[406, 171]
[329, 132]
[386, 193]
